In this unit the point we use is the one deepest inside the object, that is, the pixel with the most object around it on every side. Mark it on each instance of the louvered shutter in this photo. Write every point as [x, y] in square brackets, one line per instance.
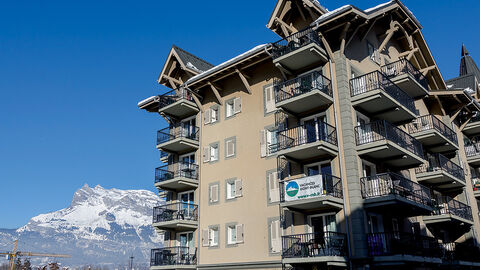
[208, 116]
[239, 230]
[273, 187]
[275, 236]
[237, 105]
[269, 99]
[238, 188]
[206, 154]
[214, 193]
[205, 238]
[263, 143]
[230, 148]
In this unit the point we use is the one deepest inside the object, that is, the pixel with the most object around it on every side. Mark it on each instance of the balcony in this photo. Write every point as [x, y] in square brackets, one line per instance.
[383, 141]
[472, 151]
[178, 176]
[433, 134]
[398, 248]
[312, 139]
[441, 173]
[451, 215]
[322, 247]
[317, 192]
[303, 93]
[178, 104]
[178, 139]
[299, 51]
[173, 258]
[393, 193]
[407, 77]
[376, 95]
[476, 187]
[461, 254]
[472, 128]
[176, 216]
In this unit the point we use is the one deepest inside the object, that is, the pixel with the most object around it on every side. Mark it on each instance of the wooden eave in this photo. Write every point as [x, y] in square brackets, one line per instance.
[452, 100]
[173, 57]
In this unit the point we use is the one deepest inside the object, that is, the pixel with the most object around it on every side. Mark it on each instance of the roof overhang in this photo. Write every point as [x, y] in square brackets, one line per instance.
[454, 100]
[173, 62]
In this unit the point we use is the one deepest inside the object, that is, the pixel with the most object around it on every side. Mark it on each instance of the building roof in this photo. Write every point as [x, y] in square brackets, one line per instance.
[192, 61]
[468, 65]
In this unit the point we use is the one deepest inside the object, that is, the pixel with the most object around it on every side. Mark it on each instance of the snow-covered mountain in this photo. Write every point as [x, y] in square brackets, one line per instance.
[101, 226]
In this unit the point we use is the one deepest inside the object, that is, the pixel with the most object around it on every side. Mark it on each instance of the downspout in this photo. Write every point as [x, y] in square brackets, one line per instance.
[341, 169]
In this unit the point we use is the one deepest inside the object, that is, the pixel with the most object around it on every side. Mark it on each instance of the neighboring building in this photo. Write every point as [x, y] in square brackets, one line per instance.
[339, 146]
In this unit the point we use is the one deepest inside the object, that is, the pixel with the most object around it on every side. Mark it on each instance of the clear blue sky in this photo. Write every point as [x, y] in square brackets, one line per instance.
[71, 73]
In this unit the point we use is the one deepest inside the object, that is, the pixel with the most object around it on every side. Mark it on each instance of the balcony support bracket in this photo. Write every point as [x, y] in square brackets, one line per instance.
[197, 101]
[283, 70]
[244, 80]
[343, 36]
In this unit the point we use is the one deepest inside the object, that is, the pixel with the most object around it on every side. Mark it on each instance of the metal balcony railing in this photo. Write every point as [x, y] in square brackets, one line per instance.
[307, 133]
[295, 41]
[175, 211]
[383, 130]
[394, 184]
[429, 122]
[472, 146]
[447, 205]
[403, 66]
[461, 252]
[180, 169]
[176, 132]
[438, 162]
[378, 81]
[325, 185]
[401, 243]
[174, 96]
[301, 85]
[314, 245]
[173, 256]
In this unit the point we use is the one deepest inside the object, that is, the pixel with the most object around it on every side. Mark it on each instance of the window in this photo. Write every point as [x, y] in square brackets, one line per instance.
[232, 107]
[234, 188]
[373, 53]
[213, 152]
[210, 153]
[273, 187]
[268, 142]
[230, 147]
[211, 115]
[234, 234]
[213, 198]
[213, 236]
[214, 115]
[269, 96]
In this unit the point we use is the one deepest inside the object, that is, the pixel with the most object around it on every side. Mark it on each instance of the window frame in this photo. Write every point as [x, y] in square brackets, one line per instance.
[234, 141]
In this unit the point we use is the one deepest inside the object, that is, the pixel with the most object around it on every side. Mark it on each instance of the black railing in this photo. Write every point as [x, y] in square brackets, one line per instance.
[429, 122]
[307, 133]
[472, 146]
[174, 96]
[403, 66]
[314, 245]
[173, 256]
[176, 132]
[438, 162]
[295, 41]
[401, 243]
[394, 184]
[446, 205]
[175, 211]
[318, 185]
[383, 130]
[180, 169]
[377, 81]
[301, 85]
[461, 252]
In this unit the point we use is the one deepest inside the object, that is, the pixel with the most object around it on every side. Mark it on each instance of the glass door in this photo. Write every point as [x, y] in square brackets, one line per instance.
[372, 183]
[186, 246]
[188, 128]
[364, 129]
[314, 128]
[187, 166]
[187, 205]
[324, 170]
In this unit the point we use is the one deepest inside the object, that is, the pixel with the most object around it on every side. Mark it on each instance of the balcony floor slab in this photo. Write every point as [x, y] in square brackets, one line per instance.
[178, 145]
[318, 203]
[474, 160]
[435, 141]
[390, 153]
[177, 225]
[178, 184]
[440, 179]
[305, 102]
[330, 260]
[403, 259]
[303, 57]
[173, 267]
[310, 150]
[180, 109]
[409, 85]
[397, 204]
[472, 128]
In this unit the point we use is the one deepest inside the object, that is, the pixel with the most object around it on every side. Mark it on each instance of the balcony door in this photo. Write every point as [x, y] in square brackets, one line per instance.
[372, 183]
[364, 129]
[324, 170]
[377, 241]
[186, 245]
[187, 204]
[187, 167]
[189, 127]
[313, 128]
[322, 229]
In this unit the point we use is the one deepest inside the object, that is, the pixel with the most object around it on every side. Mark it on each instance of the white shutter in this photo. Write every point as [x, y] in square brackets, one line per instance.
[237, 105]
[273, 187]
[206, 154]
[239, 231]
[214, 193]
[230, 148]
[269, 99]
[205, 238]
[238, 188]
[263, 143]
[208, 116]
[275, 236]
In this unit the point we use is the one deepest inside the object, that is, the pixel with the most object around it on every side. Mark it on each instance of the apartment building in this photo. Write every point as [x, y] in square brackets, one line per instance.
[338, 146]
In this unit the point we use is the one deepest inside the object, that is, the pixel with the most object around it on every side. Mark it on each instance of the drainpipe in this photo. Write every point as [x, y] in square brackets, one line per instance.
[341, 169]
